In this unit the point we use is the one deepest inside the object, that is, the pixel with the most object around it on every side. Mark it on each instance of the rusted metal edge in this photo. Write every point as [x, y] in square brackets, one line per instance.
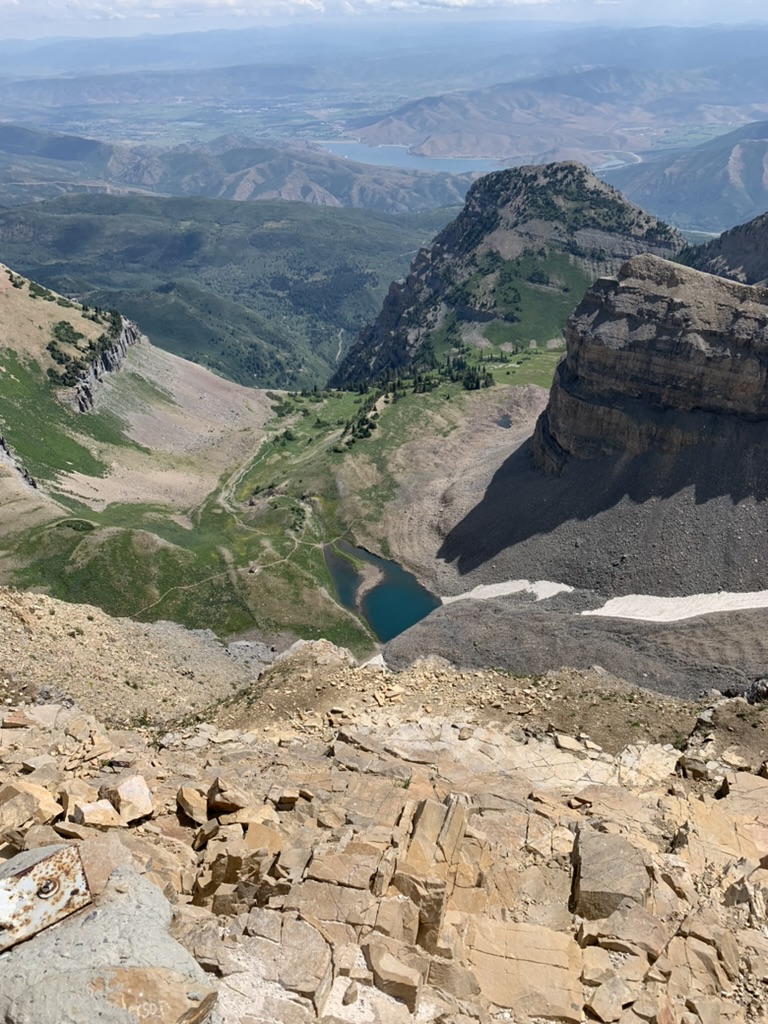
[41, 894]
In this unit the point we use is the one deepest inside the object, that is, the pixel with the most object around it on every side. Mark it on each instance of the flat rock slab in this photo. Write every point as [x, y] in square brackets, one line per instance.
[528, 968]
[114, 962]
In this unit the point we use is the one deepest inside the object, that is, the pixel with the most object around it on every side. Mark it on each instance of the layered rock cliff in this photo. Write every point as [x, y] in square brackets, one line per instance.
[659, 358]
[108, 359]
[527, 240]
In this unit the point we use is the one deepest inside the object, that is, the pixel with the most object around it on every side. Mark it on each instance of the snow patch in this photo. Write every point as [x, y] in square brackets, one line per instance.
[541, 588]
[672, 609]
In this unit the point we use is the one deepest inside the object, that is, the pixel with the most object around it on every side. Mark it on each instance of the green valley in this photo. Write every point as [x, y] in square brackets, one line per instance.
[268, 293]
[187, 497]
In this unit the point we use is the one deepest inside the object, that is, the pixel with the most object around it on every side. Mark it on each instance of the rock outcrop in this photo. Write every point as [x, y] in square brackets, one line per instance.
[740, 254]
[659, 359]
[475, 272]
[109, 359]
[8, 458]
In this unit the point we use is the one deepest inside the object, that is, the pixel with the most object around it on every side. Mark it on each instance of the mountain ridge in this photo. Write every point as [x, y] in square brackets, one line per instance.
[711, 187]
[38, 165]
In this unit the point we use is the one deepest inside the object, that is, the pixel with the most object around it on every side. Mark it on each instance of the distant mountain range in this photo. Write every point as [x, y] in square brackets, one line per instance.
[710, 187]
[590, 115]
[41, 165]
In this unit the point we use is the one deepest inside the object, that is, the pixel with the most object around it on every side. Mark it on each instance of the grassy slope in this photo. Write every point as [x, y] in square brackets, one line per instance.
[257, 291]
[531, 297]
[146, 559]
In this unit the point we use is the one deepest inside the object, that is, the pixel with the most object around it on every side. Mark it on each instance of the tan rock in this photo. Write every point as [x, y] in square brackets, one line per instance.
[197, 929]
[224, 796]
[156, 995]
[305, 962]
[564, 742]
[131, 797]
[709, 1009]
[645, 764]
[101, 854]
[608, 1000]
[261, 837]
[99, 814]
[17, 810]
[253, 814]
[392, 976]
[597, 966]
[630, 929]
[608, 872]
[333, 903]
[528, 968]
[75, 790]
[17, 720]
[745, 795]
[35, 764]
[344, 868]
[193, 801]
[398, 918]
[454, 978]
[43, 809]
[429, 896]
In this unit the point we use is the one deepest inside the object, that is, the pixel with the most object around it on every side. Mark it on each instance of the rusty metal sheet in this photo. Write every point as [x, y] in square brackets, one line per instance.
[39, 895]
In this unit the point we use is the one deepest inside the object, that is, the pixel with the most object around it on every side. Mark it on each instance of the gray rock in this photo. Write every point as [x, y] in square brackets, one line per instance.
[608, 873]
[114, 962]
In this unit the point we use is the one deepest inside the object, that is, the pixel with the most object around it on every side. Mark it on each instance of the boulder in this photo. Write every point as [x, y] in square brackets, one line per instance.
[21, 801]
[608, 873]
[114, 962]
[131, 797]
[225, 797]
[393, 976]
[99, 814]
[193, 801]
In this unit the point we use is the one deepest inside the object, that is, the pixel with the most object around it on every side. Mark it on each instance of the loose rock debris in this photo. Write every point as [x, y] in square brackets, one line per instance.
[387, 868]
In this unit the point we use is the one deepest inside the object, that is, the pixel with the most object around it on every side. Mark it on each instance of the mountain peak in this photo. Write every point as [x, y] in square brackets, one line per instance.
[503, 272]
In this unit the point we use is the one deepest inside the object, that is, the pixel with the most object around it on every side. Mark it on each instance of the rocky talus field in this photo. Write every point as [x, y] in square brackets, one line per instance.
[346, 844]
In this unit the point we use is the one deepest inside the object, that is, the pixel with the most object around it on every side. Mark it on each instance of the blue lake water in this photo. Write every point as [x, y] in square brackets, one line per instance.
[393, 605]
[398, 156]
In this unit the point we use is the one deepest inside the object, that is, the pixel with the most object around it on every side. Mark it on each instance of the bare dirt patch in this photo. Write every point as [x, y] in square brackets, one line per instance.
[194, 427]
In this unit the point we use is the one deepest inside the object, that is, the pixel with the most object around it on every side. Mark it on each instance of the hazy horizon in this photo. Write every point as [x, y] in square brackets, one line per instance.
[33, 20]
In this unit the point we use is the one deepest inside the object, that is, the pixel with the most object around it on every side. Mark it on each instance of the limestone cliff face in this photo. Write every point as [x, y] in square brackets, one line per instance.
[107, 361]
[659, 358]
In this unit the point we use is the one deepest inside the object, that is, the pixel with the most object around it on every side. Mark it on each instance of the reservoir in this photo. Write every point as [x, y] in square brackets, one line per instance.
[390, 607]
[398, 156]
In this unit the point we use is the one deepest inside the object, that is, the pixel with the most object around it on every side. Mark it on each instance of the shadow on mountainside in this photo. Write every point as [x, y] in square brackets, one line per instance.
[683, 523]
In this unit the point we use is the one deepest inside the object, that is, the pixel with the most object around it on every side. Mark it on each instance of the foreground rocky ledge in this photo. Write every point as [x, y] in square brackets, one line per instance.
[384, 867]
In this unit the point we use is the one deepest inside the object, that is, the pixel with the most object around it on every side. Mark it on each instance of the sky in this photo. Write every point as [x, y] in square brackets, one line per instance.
[40, 18]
